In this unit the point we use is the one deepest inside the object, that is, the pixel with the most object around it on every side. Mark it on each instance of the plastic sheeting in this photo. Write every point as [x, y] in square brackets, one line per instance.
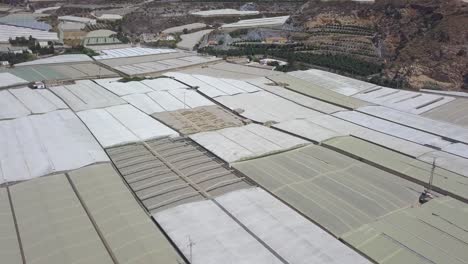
[67, 58]
[264, 106]
[335, 82]
[413, 169]
[406, 101]
[171, 100]
[295, 238]
[238, 143]
[214, 87]
[60, 231]
[425, 124]
[86, 95]
[121, 88]
[127, 230]
[38, 145]
[298, 98]
[258, 22]
[11, 107]
[8, 79]
[9, 244]
[337, 192]
[435, 233]
[207, 235]
[447, 161]
[123, 124]
[38, 101]
[393, 129]
[130, 52]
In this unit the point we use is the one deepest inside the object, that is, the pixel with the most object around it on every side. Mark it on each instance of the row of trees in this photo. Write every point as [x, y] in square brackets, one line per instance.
[334, 61]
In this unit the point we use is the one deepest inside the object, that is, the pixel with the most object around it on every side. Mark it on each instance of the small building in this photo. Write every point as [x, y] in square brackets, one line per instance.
[109, 18]
[4, 63]
[70, 31]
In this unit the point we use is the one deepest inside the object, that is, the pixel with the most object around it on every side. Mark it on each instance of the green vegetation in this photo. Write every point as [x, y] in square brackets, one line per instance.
[338, 62]
[14, 58]
[33, 45]
[83, 50]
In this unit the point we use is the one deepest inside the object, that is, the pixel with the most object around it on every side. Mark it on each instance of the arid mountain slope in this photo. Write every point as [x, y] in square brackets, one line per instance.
[422, 43]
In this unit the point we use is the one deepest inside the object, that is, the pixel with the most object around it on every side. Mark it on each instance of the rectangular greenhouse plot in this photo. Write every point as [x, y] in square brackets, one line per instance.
[406, 101]
[446, 130]
[199, 119]
[60, 224]
[85, 95]
[274, 223]
[335, 82]
[394, 129]
[123, 88]
[130, 52]
[11, 107]
[162, 101]
[127, 230]
[11, 252]
[436, 232]
[413, 169]
[335, 191]
[214, 87]
[264, 106]
[316, 91]
[447, 161]
[38, 145]
[295, 97]
[207, 235]
[247, 142]
[453, 112]
[123, 124]
[168, 172]
[9, 79]
[38, 101]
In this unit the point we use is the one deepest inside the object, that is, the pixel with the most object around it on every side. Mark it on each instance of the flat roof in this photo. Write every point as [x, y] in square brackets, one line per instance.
[88, 210]
[130, 52]
[24, 101]
[315, 91]
[38, 145]
[85, 95]
[168, 172]
[58, 59]
[122, 124]
[189, 41]
[410, 168]
[250, 225]
[436, 232]
[335, 191]
[246, 142]
[199, 119]
[9, 79]
[453, 112]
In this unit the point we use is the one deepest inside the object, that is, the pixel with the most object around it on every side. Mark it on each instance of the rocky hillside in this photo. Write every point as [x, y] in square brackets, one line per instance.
[422, 43]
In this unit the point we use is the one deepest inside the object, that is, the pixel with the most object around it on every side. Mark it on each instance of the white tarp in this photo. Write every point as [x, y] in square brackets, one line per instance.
[406, 101]
[171, 100]
[11, 107]
[37, 145]
[38, 101]
[121, 88]
[393, 129]
[239, 143]
[264, 106]
[293, 237]
[7, 79]
[207, 235]
[298, 98]
[122, 124]
[86, 95]
[422, 123]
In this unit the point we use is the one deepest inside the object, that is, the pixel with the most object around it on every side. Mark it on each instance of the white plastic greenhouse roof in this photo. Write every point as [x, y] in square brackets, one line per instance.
[59, 59]
[214, 87]
[122, 124]
[38, 145]
[130, 52]
[264, 106]
[155, 102]
[86, 95]
[443, 129]
[9, 79]
[224, 12]
[38, 101]
[258, 22]
[240, 143]
[268, 222]
[7, 32]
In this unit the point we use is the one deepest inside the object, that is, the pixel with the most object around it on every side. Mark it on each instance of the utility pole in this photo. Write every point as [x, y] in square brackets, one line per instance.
[426, 195]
